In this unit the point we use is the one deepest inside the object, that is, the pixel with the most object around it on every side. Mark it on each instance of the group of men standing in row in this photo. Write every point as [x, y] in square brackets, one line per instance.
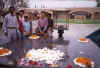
[17, 24]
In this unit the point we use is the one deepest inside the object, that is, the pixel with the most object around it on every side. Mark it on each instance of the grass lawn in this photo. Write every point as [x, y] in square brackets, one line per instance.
[85, 22]
[73, 21]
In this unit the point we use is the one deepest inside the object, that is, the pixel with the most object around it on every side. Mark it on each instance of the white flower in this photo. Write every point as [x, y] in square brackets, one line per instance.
[45, 54]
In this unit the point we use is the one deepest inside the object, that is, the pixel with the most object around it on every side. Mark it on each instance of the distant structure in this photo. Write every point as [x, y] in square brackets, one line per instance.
[62, 3]
[70, 9]
[5, 4]
[98, 1]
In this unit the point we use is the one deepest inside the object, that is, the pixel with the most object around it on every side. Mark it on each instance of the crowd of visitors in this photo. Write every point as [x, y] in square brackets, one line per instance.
[19, 24]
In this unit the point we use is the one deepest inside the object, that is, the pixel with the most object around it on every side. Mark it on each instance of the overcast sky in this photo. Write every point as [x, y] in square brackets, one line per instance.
[62, 3]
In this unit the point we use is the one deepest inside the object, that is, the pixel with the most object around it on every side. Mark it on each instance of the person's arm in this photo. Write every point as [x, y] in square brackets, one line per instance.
[46, 25]
[45, 28]
[17, 25]
[4, 27]
[21, 27]
[52, 23]
[31, 27]
[39, 26]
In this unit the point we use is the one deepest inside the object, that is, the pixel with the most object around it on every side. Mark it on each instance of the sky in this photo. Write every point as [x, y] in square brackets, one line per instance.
[62, 3]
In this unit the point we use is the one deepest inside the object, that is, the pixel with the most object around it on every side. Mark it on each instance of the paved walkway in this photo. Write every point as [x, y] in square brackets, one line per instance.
[73, 48]
[75, 31]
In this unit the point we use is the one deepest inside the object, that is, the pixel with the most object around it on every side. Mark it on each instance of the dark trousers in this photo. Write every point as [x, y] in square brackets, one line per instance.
[21, 34]
[42, 28]
[60, 35]
[1, 25]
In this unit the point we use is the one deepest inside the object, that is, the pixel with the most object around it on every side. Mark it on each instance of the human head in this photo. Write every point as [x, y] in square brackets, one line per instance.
[26, 18]
[49, 15]
[42, 14]
[35, 17]
[17, 14]
[21, 12]
[12, 10]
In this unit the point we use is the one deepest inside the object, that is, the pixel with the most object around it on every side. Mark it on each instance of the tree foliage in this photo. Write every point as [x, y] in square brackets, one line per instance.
[4, 4]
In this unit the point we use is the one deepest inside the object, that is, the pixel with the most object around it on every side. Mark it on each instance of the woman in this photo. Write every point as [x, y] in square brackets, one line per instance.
[35, 24]
[43, 23]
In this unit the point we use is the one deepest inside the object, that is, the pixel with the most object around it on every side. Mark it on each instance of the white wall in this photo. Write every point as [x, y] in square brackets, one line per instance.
[61, 4]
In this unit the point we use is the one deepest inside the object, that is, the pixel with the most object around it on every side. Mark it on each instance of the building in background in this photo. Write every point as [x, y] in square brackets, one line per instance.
[62, 3]
[61, 9]
[72, 9]
[98, 3]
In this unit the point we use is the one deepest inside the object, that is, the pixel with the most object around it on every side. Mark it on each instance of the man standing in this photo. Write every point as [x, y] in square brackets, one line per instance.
[10, 25]
[20, 20]
[50, 21]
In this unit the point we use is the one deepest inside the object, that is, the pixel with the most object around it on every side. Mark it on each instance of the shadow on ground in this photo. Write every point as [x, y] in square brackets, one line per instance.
[61, 42]
[95, 37]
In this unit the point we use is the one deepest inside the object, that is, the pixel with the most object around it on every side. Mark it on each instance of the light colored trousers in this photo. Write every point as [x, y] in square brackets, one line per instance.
[12, 34]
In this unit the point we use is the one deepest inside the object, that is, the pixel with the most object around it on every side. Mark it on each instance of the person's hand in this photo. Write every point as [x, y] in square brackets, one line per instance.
[6, 34]
[26, 33]
[45, 34]
[42, 33]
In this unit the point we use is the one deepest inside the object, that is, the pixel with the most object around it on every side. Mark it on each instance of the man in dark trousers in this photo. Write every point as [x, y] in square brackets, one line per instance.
[60, 31]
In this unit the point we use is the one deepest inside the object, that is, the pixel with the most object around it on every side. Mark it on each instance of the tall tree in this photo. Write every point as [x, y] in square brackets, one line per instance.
[15, 3]
[1, 4]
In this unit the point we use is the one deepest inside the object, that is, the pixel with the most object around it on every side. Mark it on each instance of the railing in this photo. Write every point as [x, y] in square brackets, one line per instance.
[63, 22]
[77, 21]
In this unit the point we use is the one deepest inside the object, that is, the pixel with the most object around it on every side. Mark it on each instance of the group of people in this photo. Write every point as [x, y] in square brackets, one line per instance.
[20, 23]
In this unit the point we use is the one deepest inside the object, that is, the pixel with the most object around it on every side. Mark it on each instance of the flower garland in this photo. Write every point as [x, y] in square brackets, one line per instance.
[45, 55]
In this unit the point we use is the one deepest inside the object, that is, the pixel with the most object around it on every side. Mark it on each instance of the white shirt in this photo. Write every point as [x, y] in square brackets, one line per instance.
[34, 25]
[21, 18]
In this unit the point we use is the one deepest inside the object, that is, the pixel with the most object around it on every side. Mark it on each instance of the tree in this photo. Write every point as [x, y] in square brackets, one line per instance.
[1, 4]
[4, 4]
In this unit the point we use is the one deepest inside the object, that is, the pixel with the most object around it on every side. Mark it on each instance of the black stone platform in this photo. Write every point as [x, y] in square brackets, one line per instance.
[70, 46]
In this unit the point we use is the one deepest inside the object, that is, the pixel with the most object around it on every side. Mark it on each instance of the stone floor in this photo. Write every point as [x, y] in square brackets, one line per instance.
[73, 48]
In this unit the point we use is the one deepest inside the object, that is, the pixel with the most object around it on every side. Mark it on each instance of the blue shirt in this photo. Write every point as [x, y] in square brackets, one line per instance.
[26, 26]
